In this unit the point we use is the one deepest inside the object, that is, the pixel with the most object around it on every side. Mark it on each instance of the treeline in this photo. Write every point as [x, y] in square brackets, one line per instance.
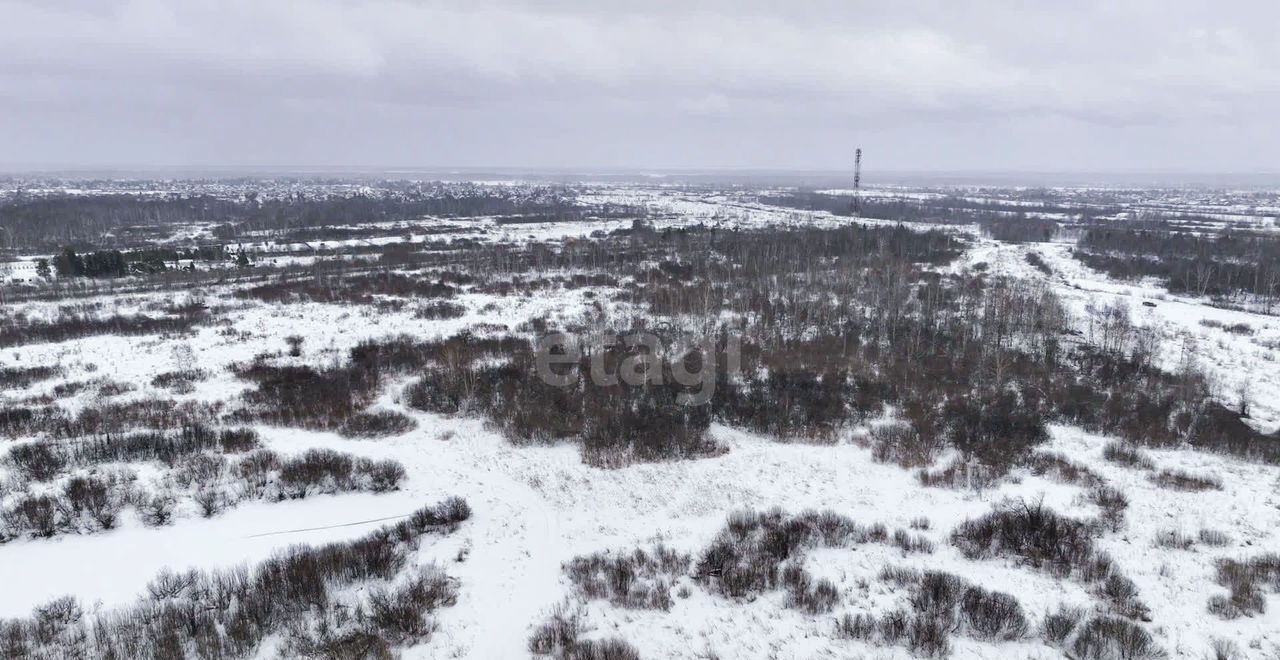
[1223, 265]
[47, 222]
[945, 210]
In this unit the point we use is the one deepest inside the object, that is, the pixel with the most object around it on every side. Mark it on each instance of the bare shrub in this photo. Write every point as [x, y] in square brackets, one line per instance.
[167, 584]
[807, 594]
[1031, 531]
[1127, 455]
[1060, 468]
[960, 474]
[1213, 538]
[39, 461]
[1245, 580]
[746, 557]
[912, 543]
[1112, 502]
[893, 627]
[74, 326]
[636, 579]
[1058, 626]
[400, 611]
[899, 575]
[937, 595]
[98, 499]
[157, 510]
[927, 637]
[856, 626]
[38, 515]
[1121, 596]
[1106, 638]
[558, 635]
[992, 615]
[1186, 481]
[1173, 539]
[603, 649]
[900, 443]
[1223, 649]
[377, 424]
[179, 382]
[439, 309]
[168, 448]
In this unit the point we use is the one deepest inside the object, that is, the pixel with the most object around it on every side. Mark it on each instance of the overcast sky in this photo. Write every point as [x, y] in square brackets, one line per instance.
[1114, 85]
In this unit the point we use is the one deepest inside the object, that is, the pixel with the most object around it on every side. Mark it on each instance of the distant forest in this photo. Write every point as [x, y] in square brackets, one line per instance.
[91, 220]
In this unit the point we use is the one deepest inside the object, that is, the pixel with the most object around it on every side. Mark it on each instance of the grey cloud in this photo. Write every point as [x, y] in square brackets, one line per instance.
[923, 85]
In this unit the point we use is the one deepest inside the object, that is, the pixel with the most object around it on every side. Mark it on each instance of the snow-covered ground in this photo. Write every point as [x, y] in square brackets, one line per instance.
[537, 507]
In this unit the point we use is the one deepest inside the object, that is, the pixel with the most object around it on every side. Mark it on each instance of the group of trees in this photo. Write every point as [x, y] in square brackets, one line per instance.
[69, 262]
[1222, 265]
[833, 325]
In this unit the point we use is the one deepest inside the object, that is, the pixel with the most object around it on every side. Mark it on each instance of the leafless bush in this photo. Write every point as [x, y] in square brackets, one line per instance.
[807, 594]
[748, 555]
[38, 515]
[1213, 538]
[1106, 638]
[1245, 580]
[959, 474]
[992, 615]
[927, 637]
[377, 424]
[180, 382]
[637, 579]
[856, 626]
[1121, 596]
[1112, 502]
[110, 388]
[558, 635]
[1031, 531]
[899, 575]
[39, 461]
[1186, 481]
[911, 543]
[1059, 468]
[1223, 649]
[99, 499]
[1127, 455]
[399, 611]
[328, 471]
[439, 309]
[1058, 626]
[1173, 539]
[900, 443]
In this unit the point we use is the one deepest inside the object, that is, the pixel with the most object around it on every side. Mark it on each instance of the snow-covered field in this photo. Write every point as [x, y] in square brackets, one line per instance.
[536, 508]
